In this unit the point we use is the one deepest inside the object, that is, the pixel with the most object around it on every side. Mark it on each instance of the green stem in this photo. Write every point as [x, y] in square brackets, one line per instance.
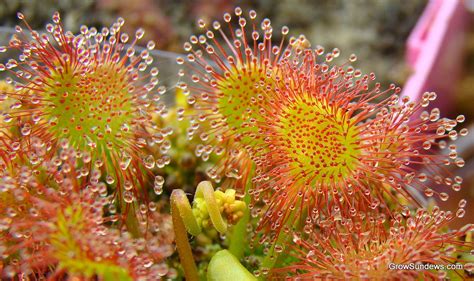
[271, 258]
[238, 238]
[131, 220]
[181, 236]
[178, 198]
[132, 224]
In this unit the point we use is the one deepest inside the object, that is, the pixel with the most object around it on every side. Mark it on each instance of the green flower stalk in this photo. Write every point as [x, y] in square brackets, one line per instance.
[208, 211]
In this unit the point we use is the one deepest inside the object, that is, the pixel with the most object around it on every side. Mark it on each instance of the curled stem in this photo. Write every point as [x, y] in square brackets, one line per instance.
[184, 221]
[205, 190]
[178, 198]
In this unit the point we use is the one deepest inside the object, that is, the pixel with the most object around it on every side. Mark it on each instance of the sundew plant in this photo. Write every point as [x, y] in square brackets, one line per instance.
[291, 164]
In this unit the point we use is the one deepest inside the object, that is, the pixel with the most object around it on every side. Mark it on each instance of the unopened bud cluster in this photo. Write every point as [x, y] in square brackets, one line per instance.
[230, 208]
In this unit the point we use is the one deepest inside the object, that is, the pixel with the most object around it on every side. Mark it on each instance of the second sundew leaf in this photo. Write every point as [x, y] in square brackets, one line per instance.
[341, 145]
[95, 105]
[227, 89]
[53, 224]
[72, 256]
[239, 101]
[370, 248]
[95, 92]
[320, 140]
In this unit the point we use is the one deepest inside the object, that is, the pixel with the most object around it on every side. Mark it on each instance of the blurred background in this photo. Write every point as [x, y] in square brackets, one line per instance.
[423, 45]
[375, 30]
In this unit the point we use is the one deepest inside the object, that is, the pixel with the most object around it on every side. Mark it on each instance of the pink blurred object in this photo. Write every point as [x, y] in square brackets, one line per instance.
[435, 51]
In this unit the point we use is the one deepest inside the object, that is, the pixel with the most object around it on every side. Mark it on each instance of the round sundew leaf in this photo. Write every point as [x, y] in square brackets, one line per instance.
[84, 91]
[320, 140]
